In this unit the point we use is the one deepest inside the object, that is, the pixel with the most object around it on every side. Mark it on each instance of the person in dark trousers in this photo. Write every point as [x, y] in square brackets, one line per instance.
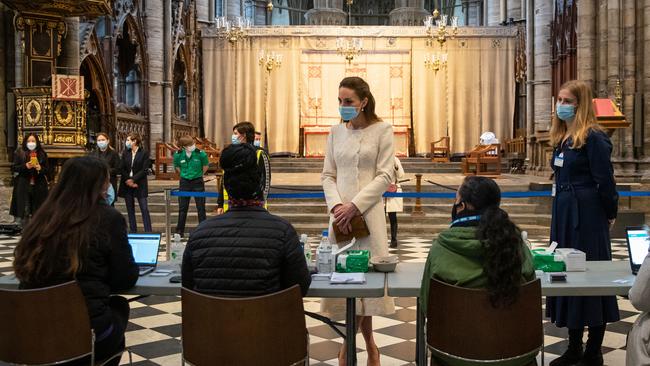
[585, 205]
[393, 205]
[244, 133]
[77, 235]
[30, 167]
[133, 181]
[107, 153]
[191, 164]
[246, 251]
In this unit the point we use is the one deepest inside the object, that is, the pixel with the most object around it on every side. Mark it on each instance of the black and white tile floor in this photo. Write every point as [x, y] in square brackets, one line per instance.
[154, 329]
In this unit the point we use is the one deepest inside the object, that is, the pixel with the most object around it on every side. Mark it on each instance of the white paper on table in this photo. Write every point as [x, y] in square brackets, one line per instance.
[352, 278]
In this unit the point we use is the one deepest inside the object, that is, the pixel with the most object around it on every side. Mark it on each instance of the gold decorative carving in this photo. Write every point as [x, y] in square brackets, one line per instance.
[64, 115]
[64, 8]
[33, 113]
[64, 138]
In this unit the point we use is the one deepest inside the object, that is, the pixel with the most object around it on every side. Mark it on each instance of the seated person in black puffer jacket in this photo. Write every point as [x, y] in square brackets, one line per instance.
[246, 251]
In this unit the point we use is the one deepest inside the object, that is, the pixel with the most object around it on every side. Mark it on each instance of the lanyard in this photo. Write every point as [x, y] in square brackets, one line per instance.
[465, 219]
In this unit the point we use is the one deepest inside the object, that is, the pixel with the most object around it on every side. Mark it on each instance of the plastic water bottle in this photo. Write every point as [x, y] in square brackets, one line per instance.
[177, 250]
[306, 248]
[324, 253]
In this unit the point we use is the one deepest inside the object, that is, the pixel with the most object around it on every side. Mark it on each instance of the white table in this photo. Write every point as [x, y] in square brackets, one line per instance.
[597, 280]
[374, 287]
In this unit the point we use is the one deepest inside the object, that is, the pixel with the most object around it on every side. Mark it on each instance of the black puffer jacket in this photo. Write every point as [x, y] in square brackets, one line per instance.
[244, 252]
[107, 268]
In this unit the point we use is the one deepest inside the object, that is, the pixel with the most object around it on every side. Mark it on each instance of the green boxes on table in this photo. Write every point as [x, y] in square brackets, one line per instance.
[353, 261]
[546, 262]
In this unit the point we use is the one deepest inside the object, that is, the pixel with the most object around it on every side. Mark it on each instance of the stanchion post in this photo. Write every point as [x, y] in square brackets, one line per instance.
[417, 209]
[168, 230]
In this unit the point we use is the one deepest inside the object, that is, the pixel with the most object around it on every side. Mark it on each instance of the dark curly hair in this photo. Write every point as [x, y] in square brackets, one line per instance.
[501, 239]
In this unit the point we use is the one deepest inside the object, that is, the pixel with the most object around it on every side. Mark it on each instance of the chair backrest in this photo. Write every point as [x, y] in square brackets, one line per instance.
[267, 330]
[457, 317]
[44, 326]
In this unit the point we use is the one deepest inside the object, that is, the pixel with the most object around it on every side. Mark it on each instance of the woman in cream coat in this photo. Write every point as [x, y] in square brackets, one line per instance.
[357, 171]
[638, 340]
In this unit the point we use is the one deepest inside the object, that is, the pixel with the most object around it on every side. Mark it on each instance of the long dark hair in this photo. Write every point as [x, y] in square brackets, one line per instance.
[362, 90]
[23, 150]
[56, 239]
[500, 237]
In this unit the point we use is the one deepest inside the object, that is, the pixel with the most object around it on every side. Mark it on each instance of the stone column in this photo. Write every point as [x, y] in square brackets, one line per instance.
[154, 24]
[645, 9]
[327, 12]
[5, 166]
[602, 33]
[408, 13]
[530, 67]
[260, 14]
[586, 33]
[514, 10]
[168, 70]
[628, 61]
[71, 61]
[542, 70]
[493, 12]
[503, 11]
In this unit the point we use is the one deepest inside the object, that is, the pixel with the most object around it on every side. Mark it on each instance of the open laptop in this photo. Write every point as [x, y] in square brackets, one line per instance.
[145, 248]
[638, 240]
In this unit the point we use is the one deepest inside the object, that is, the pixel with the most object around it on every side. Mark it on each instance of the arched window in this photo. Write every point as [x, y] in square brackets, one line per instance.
[132, 97]
[128, 73]
[180, 86]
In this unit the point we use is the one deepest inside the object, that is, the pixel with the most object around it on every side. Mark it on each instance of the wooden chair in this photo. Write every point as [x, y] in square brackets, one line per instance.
[165, 161]
[46, 326]
[462, 323]
[211, 149]
[440, 150]
[268, 330]
[515, 154]
[481, 158]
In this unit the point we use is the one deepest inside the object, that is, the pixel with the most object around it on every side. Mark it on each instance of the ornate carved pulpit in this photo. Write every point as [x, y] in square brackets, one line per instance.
[52, 106]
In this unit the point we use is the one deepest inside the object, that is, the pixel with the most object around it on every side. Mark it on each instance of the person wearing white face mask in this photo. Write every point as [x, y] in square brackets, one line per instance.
[107, 153]
[191, 163]
[133, 181]
[585, 205]
[244, 133]
[30, 169]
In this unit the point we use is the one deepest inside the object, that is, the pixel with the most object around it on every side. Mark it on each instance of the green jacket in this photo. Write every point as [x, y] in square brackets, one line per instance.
[456, 258]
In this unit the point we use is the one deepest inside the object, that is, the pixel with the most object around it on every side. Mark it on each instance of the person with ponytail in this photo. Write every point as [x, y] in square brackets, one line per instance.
[77, 235]
[585, 205]
[482, 248]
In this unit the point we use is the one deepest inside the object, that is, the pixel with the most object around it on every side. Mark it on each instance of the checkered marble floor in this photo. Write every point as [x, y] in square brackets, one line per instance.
[154, 330]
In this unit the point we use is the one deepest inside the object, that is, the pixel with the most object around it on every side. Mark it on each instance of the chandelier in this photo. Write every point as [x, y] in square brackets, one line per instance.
[270, 60]
[234, 30]
[349, 48]
[437, 27]
[435, 61]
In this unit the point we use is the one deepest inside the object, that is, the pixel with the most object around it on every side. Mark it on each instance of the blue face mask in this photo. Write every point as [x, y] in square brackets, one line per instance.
[128, 144]
[565, 112]
[110, 195]
[235, 140]
[348, 113]
[257, 143]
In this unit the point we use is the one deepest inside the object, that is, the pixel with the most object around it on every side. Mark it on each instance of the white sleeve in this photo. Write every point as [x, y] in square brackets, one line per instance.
[640, 291]
[328, 177]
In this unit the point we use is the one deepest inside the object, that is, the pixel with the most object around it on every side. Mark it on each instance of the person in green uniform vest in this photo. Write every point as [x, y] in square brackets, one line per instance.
[482, 248]
[191, 163]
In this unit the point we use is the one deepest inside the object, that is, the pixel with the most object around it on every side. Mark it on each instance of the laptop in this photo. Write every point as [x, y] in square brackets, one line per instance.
[145, 248]
[638, 240]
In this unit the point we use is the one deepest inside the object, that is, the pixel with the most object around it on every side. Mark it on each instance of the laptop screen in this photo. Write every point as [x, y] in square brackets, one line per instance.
[638, 240]
[145, 248]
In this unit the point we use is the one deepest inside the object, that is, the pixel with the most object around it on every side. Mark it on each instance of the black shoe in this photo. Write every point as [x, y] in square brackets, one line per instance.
[570, 358]
[393, 243]
[591, 360]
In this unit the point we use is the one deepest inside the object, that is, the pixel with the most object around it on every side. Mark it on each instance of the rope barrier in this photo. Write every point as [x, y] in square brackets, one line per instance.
[312, 195]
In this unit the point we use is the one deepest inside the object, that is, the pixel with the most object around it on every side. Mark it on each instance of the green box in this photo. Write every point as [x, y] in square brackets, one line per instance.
[355, 261]
[546, 262]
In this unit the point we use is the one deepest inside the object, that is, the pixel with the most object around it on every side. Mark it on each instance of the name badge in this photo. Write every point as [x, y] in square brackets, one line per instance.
[182, 161]
[559, 160]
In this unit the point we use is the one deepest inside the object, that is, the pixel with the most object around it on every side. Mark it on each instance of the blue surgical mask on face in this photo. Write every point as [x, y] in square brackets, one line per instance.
[110, 195]
[257, 143]
[102, 144]
[348, 113]
[565, 112]
[128, 144]
[234, 139]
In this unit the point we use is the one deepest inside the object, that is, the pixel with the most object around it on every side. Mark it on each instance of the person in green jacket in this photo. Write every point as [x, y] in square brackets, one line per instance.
[481, 249]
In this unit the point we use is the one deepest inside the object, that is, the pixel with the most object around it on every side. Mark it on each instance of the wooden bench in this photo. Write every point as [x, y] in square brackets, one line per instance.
[210, 148]
[440, 150]
[165, 161]
[479, 160]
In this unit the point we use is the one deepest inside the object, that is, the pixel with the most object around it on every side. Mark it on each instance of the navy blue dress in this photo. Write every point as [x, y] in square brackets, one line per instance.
[585, 199]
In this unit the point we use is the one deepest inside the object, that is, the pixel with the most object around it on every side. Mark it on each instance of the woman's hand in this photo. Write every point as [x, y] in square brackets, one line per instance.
[343, 214]
[38, 167]
[611, 223]
[129, 183]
